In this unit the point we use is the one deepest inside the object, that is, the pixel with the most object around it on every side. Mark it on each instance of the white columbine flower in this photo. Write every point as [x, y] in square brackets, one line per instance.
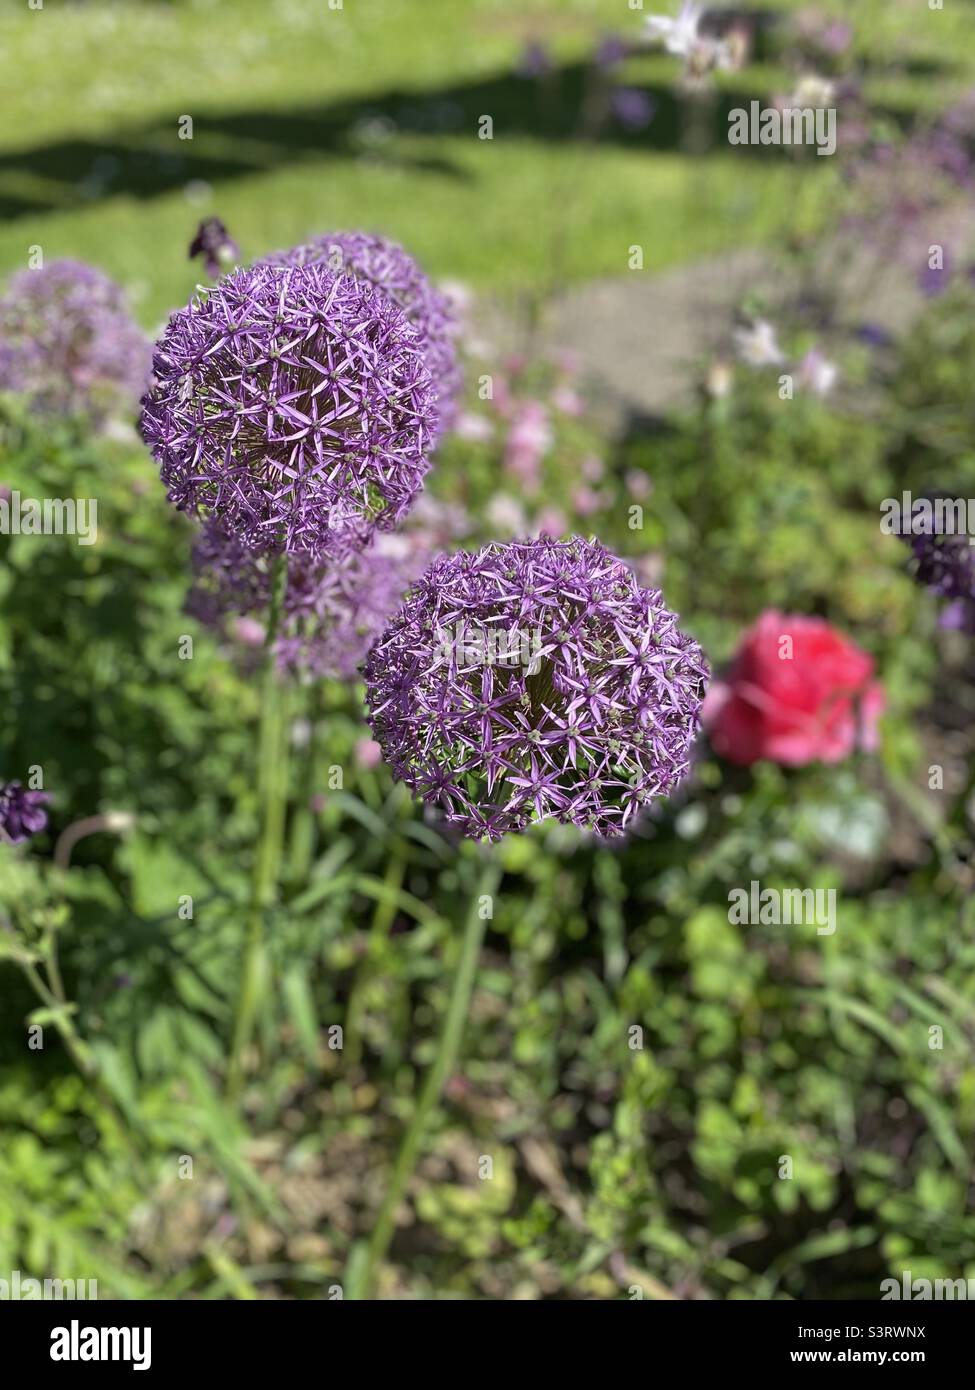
[678, 35]
[757, 345]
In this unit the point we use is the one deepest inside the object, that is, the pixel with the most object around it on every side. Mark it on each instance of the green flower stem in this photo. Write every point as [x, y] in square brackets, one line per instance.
[362, 1277]
[382, 920]
[55, 1001]
[272, 792]
[304, 821]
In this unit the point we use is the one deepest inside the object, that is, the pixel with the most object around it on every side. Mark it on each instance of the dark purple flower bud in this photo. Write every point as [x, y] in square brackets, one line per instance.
[388, 268]
[535, 680]
[215, 244]
[67, 342]
[294, 407]
[21, 813]
[874, 335]
[632, 108]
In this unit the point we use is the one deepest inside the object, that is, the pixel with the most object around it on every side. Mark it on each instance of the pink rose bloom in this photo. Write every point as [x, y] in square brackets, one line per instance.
[797, 692]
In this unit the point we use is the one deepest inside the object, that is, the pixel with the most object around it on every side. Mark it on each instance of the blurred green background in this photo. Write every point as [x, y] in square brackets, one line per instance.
[615, 1168]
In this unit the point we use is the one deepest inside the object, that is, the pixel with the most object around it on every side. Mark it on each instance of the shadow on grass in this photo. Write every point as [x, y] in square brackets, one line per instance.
[151, 160]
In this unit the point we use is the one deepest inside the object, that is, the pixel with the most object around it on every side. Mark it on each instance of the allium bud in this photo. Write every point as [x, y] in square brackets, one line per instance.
[22, 813]
[215, 244]
[67, 342]
[535, 680]
[388, 268]
[293, 407]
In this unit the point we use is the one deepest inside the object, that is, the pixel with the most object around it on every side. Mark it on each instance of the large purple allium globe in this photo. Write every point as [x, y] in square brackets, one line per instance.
[293, 406]
[22, 813]
[535, 680]
[391, 270]
[333, 610]
[68, 344]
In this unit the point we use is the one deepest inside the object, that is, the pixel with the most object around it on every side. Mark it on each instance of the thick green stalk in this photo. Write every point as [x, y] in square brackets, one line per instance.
[363, 1270]
[272, 792]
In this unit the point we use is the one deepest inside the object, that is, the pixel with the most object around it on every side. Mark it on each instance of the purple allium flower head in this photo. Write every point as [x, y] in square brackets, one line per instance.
[945, 564]
[215, 244]
[388, 268]
[22, 813]
[334, 609]
[294, 407]
[69, 344]
[535, 680]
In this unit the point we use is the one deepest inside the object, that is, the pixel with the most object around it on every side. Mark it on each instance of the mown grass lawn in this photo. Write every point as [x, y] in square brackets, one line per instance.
[307, 118]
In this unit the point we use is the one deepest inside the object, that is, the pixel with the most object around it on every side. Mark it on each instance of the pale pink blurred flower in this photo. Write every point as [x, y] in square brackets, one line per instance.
[550, 522]
[248, 631]
[567, 399]
[818, 372]
[506, 515]
[529, 440]
[368, 753]
[593, 468]
[459, 296]
[476, 428]
[637, 484]
[648, 568]
[585, 501]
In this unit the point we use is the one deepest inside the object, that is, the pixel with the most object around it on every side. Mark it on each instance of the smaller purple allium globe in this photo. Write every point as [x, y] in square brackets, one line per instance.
[333, 609]
[22, 813]
[536, 680]
[388, 268]
[68, 344]
[293, 407]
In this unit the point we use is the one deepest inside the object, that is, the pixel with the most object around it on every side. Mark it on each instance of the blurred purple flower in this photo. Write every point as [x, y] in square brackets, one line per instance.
[68, 344]
[21, 813]
[535, 61]
[632, 108]
[610, 52]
